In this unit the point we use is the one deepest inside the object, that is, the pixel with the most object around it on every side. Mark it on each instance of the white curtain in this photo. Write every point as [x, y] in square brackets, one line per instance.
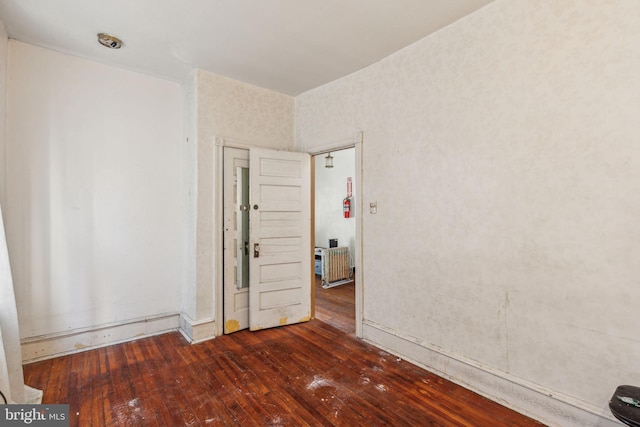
[11, 375]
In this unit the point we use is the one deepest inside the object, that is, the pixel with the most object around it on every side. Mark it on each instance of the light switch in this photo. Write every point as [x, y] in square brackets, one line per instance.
[373, 207]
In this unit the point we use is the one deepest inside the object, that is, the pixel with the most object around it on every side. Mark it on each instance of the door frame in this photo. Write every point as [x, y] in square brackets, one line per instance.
[218, 238]
[231, 157]
[357, 142]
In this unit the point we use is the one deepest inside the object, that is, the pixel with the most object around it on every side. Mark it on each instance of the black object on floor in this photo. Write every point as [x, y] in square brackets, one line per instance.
[623, 405]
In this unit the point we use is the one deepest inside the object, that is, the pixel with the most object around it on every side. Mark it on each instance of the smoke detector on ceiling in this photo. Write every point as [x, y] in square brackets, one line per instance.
[109, 41]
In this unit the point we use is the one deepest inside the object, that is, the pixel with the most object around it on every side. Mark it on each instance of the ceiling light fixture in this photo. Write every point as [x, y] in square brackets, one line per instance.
[109, 41]
[328, 161]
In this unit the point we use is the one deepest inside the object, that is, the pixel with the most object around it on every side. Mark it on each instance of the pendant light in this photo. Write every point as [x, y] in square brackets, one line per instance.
[328, 161]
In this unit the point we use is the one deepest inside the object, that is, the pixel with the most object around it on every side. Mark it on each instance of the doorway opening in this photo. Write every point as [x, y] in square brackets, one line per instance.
[234, 299]
[335, 238]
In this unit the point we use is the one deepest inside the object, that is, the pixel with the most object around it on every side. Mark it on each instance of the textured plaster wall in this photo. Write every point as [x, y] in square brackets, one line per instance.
[503, 154]
[94, 210]
[243, 113]
[240, 114]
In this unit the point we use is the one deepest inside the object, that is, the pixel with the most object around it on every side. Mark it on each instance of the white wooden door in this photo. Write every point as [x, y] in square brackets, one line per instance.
[280, 239]
[236, 290]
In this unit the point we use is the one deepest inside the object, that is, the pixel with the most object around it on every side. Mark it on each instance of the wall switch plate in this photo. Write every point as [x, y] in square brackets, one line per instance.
[373, 207]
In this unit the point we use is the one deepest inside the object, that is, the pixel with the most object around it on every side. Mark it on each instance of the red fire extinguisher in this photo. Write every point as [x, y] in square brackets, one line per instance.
[346, 207]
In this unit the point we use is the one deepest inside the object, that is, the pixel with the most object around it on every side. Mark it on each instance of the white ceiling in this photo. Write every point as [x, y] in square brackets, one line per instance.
[289, 46]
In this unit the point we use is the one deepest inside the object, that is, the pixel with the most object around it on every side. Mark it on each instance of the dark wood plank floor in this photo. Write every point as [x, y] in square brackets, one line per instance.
[307, 374]
[336, 306]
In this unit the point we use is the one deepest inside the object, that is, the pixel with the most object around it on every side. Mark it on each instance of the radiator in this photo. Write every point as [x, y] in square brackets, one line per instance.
[336, 265]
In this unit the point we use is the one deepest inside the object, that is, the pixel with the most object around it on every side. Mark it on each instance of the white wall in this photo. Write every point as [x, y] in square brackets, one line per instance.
[95, 208]
[11, 376]
[330, 190]
[503, 154]
[190, 174]
[4, 43]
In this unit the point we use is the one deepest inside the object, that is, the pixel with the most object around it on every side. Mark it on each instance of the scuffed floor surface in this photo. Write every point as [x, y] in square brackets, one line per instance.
[308, 374]
[337, 306]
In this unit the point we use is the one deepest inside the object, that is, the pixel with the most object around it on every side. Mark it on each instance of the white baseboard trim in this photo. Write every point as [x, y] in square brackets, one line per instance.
[546, 406]
[196, 331]
[32, 396]
[74, 341]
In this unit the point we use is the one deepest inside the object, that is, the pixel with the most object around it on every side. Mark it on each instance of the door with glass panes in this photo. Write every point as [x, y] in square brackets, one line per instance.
[267, 241]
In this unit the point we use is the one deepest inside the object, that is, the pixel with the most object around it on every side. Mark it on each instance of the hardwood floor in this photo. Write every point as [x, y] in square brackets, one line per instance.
[307, 374]
[336, 306]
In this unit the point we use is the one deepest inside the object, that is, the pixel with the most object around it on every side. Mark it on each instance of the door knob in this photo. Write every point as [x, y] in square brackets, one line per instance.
[256, 250]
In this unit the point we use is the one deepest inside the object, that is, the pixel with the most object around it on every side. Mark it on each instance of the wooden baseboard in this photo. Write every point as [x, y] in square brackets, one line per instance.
[532, 400]
[54, 345]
